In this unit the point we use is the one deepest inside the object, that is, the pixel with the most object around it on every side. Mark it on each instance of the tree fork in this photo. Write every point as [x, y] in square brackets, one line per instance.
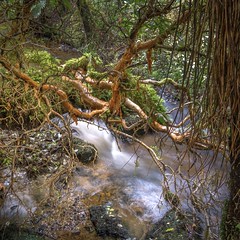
[131, 52]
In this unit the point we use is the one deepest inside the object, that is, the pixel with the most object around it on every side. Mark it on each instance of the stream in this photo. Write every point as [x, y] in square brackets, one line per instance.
[140, 181]
[126, 178]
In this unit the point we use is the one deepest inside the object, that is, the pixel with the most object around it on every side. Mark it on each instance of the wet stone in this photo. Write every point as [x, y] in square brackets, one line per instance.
[107, 223]
[175, 226]
[13, 232]
[86, 153]
[139, 130]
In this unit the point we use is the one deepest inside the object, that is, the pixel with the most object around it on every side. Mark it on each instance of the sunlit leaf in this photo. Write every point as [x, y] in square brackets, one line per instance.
[170, 230]
[53, 3]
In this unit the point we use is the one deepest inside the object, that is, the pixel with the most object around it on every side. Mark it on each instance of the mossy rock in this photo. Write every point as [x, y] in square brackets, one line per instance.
[13, 232]
[140, 130]
[86, 152]
[175, 226]
[107, 223]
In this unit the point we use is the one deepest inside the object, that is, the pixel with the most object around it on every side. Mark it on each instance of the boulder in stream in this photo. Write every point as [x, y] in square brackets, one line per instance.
[175, 226]
[86, 152]
[107, 223]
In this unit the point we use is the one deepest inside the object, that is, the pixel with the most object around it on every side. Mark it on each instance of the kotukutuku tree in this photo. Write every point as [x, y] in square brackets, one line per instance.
[209, 29]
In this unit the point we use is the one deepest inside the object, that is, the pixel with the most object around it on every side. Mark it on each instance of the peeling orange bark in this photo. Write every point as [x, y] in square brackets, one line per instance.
[45, 87]
[132, 50]
[87, 98]
[99, 105]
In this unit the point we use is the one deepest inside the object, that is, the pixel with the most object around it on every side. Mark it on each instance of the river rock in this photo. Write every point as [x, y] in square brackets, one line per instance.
[13, 232]
[86, 152]
[107, 223]
[175, 226]
[139, 129]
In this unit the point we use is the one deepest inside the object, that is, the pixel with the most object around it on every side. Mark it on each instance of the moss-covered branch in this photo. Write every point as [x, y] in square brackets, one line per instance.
[46, 87]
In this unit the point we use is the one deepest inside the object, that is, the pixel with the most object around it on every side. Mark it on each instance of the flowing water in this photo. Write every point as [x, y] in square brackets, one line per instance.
[140, 181]
[135, 180]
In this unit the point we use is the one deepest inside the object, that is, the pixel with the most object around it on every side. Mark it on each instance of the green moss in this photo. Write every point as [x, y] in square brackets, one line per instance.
[76, 63]
[172, 198]
[41, 57]
[19, 106]
[146, 97]
[97, 75]
[41, 65]
[223, 221]
[5, 160]
[175, 225]
[102, 94]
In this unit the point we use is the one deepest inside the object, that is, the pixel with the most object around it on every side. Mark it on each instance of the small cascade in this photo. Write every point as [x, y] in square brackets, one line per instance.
[117, 155]
[110, 151]
[135, 173]
[97, 134]
[139, 179]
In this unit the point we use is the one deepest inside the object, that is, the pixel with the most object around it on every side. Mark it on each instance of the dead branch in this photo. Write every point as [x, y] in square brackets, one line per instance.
[163, 82]
[102, 106]
[146, 13]
[158, 40]
[180, 49]
[79, 75]
[177, 137]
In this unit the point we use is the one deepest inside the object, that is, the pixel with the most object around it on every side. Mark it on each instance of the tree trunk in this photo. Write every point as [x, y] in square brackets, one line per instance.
[232, 221]
[225, 17]
[86, 18]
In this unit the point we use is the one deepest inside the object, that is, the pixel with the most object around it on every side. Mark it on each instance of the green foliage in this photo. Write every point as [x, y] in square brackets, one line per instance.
[102, 94]
[146, 97]
[20, 104]
[41, 65]
[5, 160]
[88, 62]
[167, 65]
[223, 220]
[38, 7]
[238, 226]
[53, 3]
[158, 26]
[172, 198]
[224, 224]
[44, 68]
[19, 107]
[67, 4]
[76, 63]
[41, 57]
